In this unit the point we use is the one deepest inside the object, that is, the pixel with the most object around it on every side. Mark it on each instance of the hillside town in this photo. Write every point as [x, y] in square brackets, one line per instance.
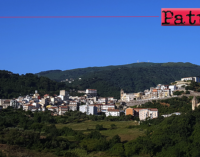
[160, 91]
[91, 104]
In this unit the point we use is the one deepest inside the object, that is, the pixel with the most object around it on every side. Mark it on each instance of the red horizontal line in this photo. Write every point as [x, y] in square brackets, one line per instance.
[73, 16]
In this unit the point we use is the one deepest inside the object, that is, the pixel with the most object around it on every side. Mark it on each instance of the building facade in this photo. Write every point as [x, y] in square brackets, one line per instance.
[195, 79]
[88, 109]
[148, 113]
[129, 111]
[92, 92]
[112, 112]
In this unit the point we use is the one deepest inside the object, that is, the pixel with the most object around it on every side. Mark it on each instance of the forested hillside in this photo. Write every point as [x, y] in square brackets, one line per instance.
[60, 75]
[109, 82]
[14, 85]
[131, 77]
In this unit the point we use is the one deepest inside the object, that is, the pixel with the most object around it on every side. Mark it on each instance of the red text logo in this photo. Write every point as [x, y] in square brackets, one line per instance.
[180, 16]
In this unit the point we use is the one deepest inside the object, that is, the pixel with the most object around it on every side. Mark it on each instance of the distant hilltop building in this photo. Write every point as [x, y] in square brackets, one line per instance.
[160, 91]
[195, 79]
[92, 92]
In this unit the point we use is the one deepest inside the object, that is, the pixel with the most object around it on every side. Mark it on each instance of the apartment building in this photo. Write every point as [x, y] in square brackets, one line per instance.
[88, 109]
[92, 92]
[105, 107]
[62, 110]
[112, 112]
[148, 113]
[102, 100]
[74, 105]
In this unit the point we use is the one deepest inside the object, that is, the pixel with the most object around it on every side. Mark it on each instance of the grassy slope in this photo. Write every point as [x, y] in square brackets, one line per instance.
[125, 133]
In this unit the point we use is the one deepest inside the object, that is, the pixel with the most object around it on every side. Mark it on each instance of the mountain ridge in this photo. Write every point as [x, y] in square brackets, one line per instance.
[59, 75]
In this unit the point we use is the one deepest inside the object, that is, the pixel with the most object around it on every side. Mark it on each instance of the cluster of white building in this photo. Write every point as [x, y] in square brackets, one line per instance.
[160, 91]
[64, 103]
[90, 104]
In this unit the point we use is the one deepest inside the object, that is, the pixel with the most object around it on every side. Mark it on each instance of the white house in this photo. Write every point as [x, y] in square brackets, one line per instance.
[112, 112]
[148, 113]
[64, 95]
[172, 88]
[102, 100]
[73, 105]
[88, 109]
[196, 79]
[105, 107]
[91, 92]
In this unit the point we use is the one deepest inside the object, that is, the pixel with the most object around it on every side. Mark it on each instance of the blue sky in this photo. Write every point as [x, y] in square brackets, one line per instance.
[34, 45]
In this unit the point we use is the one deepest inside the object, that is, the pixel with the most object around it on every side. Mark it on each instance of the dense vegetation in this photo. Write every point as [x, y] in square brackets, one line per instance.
[60, 75]
[14, 85]
[172, 136]
[171, 105]
[132, 77]
[37, 131]
[195, 86]
[107, 80]
[176, 136]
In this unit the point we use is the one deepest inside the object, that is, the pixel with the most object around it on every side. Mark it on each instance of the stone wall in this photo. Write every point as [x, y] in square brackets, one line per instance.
[140, 102]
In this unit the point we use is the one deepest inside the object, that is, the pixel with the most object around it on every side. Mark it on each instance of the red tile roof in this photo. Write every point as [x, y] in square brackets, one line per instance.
[154, 109]
[113, 110]
[151, 109]
[64, 107]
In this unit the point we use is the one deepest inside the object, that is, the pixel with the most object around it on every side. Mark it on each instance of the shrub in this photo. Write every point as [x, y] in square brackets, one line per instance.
[131, 126]
[113, 126]
[99, 127]
[117, 150]
[187, 92]
[178, 92]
